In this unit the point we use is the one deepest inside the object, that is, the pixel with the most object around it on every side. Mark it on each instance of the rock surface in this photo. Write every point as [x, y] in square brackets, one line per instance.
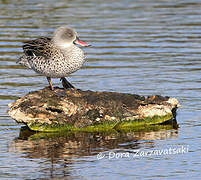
[46, 110]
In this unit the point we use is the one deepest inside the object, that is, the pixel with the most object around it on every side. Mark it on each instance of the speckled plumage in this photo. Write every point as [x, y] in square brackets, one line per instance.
[55, 57]
[45, 58]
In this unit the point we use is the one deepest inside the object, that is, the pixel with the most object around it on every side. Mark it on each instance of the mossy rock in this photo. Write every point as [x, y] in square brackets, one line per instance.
[77, 110]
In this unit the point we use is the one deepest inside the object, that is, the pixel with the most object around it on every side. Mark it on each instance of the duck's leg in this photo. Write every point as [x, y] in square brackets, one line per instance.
[49, 80]
[66, 84]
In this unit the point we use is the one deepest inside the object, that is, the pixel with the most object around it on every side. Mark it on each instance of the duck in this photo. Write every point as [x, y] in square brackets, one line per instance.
[55, 57]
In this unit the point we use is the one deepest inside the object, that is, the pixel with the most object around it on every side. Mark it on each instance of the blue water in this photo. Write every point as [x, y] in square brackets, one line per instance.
[142, 47]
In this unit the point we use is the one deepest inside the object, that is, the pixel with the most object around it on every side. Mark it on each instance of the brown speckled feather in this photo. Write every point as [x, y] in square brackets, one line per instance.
[40, 47]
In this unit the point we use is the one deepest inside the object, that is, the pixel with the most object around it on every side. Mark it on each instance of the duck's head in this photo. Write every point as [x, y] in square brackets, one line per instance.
[65, 37]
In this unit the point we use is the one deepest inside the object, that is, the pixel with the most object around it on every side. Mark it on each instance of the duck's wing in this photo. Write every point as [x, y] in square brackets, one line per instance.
[38, 47]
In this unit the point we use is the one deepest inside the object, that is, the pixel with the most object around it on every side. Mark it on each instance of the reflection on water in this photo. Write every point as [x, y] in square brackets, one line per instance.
[78, 144]
[140, 47]
[63, 148]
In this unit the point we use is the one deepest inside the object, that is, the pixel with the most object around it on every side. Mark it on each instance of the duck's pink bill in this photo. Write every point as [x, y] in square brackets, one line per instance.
[81, 43]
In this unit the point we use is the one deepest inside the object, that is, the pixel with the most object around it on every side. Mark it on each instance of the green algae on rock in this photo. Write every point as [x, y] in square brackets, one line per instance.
[77, 110]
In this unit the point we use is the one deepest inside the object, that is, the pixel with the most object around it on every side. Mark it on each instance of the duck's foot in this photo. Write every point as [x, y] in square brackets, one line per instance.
[66, 84]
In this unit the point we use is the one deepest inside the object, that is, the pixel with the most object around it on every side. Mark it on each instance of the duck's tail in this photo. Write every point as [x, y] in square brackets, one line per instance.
[23, 60]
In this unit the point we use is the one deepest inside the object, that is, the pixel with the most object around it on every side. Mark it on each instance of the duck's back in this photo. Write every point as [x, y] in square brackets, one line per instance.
[40, 47]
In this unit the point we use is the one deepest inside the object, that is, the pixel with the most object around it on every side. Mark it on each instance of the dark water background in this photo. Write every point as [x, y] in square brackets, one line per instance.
[139, 46]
